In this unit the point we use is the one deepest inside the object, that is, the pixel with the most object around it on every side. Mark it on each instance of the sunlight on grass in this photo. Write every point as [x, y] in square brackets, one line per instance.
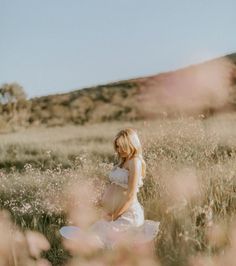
[190, 188]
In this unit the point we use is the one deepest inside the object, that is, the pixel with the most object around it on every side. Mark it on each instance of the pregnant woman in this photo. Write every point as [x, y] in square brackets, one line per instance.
[124, 213]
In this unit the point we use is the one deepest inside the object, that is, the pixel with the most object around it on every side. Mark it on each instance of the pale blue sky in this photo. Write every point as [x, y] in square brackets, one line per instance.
[53, 46]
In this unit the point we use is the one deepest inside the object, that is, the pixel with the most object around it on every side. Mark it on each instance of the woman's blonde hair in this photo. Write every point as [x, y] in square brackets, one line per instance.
[130, 144]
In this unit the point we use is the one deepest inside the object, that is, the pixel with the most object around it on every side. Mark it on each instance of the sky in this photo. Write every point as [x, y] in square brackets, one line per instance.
[55, 46]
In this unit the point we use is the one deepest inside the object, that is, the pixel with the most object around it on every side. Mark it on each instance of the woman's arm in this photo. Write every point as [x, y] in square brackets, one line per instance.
[134, 171]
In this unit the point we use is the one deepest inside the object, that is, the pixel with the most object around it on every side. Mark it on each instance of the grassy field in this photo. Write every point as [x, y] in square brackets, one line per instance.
[190, 185]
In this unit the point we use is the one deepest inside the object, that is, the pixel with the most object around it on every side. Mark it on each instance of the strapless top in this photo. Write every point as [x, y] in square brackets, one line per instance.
[120, 176]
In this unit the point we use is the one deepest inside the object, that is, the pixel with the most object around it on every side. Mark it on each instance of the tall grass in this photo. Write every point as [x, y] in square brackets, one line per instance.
[190, 185]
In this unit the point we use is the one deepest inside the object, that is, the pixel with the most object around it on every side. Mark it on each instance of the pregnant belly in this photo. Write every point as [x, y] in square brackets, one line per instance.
[113, 197]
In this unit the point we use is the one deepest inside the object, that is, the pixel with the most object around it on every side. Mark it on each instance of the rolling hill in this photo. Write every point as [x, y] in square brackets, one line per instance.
[198, 89]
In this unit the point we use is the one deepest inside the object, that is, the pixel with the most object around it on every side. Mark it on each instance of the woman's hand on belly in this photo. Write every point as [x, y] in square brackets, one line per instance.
[113, 197]
[106, 216]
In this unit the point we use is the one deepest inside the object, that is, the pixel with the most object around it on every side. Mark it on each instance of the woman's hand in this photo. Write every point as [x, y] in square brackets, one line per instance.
[107, 216]
[115, 216]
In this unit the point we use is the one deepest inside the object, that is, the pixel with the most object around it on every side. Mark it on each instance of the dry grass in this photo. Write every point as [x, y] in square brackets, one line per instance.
[190, 185]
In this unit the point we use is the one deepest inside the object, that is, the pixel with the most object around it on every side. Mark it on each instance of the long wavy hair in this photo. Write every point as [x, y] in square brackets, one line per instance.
[130, 145]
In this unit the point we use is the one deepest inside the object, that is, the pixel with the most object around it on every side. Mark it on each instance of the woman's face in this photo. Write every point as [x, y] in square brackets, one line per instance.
[119, 150]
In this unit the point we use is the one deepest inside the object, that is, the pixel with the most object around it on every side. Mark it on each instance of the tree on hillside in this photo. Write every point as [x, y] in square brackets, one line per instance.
[11, 95]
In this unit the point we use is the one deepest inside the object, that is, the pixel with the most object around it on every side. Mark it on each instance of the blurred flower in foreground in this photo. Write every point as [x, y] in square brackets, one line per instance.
[216, 235]
[17, 248]
[81, 213]
[37, 243]
[182, 186]
[79, 204]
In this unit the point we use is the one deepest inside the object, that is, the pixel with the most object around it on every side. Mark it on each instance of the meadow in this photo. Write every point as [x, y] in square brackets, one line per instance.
[190, 186]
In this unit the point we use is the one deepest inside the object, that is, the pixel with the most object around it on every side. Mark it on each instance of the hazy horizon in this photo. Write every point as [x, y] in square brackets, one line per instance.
[57, 46]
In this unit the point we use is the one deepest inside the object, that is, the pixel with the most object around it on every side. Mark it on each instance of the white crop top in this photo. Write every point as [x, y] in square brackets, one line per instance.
[120, 177]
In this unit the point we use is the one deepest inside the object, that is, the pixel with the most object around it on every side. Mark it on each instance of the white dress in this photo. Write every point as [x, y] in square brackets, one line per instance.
[131, 221]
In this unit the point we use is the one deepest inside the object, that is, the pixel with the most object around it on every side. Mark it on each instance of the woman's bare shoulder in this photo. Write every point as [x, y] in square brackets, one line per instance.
[136, 160]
